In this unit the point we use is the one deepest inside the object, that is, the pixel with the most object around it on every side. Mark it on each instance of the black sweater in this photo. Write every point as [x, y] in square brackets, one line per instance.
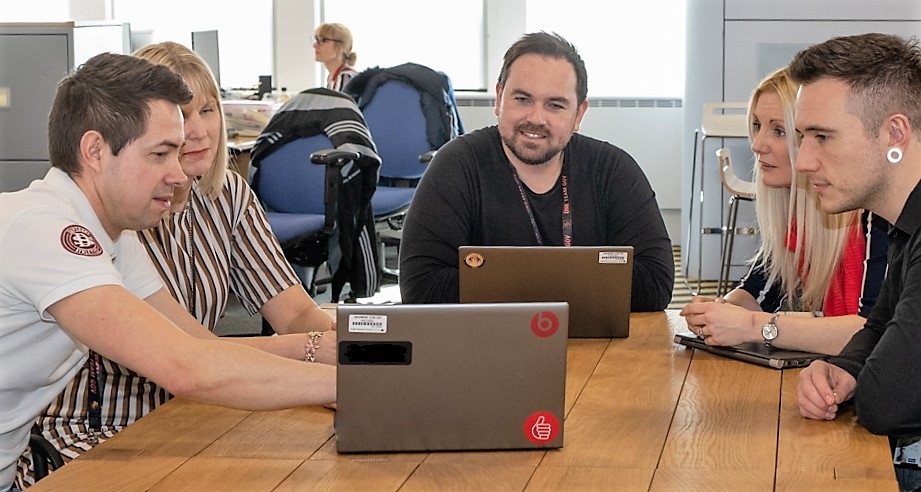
[468, 196]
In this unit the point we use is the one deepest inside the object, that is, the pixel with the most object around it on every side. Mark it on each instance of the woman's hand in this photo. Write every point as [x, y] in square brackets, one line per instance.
[721, 323]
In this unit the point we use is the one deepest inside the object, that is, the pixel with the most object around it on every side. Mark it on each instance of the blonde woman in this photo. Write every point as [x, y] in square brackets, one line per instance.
[332, 46]
[828, 268]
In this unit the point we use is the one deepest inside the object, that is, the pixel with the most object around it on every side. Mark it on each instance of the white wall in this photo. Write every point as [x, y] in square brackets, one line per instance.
[731, 46]
[293, 23]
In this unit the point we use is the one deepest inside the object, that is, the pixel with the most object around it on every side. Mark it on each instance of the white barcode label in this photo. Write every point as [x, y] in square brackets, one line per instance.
[612, 257]
[367, 323]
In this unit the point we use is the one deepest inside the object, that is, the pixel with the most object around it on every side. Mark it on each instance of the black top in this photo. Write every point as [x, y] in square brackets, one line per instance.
[885, 356]
[468, 196]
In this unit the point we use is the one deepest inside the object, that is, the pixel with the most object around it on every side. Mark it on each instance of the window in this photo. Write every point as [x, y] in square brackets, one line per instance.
[245, 37]
[443, 36]
[631, 49]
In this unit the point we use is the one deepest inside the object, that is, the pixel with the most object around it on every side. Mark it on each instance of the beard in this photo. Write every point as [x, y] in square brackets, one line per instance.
[524, 152]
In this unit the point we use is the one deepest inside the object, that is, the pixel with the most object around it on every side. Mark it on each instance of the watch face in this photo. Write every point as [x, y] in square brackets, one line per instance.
[769, 331]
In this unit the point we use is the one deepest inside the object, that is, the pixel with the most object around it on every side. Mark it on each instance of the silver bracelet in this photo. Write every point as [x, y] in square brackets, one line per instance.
[313, 343]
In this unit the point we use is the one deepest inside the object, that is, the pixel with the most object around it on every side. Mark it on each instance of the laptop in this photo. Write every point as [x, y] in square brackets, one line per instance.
[445, 377]
[596, 281]
[754, 352]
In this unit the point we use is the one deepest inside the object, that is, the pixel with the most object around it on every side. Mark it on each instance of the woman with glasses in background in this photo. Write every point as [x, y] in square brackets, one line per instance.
[332, 46]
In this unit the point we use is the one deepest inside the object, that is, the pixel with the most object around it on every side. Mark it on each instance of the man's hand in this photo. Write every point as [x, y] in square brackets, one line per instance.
[821, 388]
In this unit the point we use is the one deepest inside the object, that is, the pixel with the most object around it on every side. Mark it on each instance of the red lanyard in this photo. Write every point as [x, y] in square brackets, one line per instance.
[566, 213]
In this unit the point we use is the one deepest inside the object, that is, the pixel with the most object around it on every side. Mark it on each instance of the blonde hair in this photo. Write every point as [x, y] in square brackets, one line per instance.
[334, 30]
[198, 76]
[820, 237]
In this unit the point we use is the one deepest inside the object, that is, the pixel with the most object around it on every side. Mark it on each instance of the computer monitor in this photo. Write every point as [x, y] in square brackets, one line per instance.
[205, 44]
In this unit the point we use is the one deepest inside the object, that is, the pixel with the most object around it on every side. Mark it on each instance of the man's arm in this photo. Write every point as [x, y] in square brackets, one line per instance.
[635, 219]
[888, 385]
[125, 329]
[437, 223]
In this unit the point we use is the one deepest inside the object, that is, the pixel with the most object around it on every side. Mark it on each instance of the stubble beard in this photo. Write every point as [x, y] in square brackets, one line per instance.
[519, 150]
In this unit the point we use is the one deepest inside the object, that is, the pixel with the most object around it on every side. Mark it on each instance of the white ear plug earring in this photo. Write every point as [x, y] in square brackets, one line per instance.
[894, 155]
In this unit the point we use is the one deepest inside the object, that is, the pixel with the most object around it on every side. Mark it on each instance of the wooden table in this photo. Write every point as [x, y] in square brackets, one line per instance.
[642, 414]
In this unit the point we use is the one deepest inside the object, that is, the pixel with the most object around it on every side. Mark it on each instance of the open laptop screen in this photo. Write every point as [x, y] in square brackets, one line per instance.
[596, 281]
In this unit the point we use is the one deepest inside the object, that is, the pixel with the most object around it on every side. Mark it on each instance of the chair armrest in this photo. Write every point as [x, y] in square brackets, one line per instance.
[45, 457]
[427, 157]
[334, 157]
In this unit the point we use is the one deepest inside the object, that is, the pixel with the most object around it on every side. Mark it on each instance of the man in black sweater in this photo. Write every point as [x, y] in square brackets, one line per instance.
[533, 181]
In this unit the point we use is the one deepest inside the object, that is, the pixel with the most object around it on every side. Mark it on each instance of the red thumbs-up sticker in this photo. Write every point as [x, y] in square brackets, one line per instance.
[541, 427]
[545, 324]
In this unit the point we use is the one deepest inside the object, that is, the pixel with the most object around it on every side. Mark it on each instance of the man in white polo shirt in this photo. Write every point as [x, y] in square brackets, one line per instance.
[74, 277]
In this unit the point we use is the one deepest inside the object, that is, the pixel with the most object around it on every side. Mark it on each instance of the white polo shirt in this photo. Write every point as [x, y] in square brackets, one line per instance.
[52, 245]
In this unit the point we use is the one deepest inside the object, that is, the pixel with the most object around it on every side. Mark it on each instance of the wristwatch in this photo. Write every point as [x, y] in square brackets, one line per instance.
[769, 330]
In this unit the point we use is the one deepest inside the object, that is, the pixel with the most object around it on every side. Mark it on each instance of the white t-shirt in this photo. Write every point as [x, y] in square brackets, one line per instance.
[52, 245]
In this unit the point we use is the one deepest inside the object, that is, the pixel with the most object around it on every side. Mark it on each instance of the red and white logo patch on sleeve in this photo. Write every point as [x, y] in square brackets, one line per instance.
[80, 241]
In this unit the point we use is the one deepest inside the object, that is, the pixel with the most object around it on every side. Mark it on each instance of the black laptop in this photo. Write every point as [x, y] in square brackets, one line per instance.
[755, 352]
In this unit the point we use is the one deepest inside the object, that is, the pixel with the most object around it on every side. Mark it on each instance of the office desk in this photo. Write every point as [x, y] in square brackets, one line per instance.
[642, 414]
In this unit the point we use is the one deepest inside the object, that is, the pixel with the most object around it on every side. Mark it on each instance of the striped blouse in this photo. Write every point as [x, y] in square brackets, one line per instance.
[234, 251]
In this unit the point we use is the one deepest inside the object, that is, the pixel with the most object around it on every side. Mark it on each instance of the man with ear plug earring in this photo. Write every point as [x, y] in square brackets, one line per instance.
[859, 114]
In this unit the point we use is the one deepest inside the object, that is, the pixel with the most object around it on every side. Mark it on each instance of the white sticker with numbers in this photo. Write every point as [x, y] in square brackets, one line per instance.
[367, 323]
[612, 257]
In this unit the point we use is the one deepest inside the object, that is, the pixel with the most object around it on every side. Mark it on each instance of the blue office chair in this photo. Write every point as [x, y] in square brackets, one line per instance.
[300, 198]
[411, 112]
[324, 126]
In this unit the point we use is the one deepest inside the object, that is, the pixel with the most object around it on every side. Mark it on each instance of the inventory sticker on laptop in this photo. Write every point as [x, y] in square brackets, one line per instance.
[541, 427]
[612, 257]
[367, 323]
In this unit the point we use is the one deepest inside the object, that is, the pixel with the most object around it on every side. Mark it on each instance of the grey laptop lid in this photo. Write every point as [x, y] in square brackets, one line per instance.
[596, 281]
[430, 377]
[754, 352]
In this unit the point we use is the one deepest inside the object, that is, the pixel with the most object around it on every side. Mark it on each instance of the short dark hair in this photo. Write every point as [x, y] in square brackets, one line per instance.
[550, 45]
[109, 93]
[882, 71]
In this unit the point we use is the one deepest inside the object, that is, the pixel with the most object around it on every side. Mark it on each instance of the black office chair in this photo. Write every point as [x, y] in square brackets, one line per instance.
[45, 457]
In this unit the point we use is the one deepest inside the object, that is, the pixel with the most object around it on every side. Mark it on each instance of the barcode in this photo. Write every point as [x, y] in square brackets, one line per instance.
[367, 323]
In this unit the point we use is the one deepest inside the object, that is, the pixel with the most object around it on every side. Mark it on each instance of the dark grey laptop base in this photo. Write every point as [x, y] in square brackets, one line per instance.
[754, 352]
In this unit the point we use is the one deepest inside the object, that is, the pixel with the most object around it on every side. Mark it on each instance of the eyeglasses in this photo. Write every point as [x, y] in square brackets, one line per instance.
[322, 40]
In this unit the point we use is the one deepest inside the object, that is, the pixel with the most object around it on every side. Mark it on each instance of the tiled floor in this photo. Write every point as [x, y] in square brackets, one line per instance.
[684, 288]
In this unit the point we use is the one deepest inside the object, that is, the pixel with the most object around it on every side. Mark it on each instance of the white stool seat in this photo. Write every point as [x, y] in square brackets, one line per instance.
[719, 120]
[739, 190]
